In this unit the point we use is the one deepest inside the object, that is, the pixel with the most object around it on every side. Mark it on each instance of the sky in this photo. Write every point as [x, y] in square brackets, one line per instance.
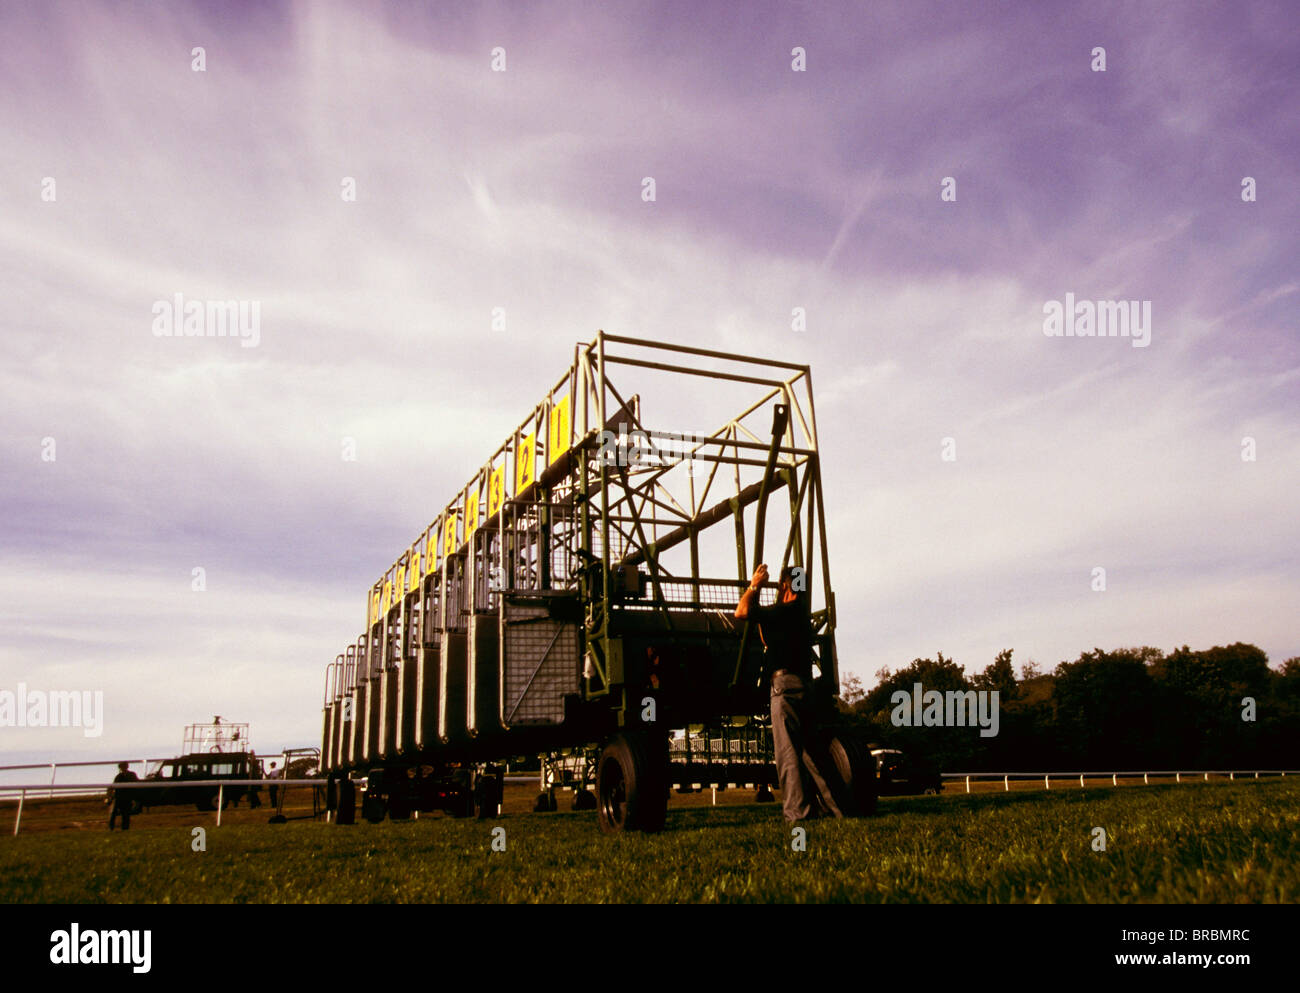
[922, 179]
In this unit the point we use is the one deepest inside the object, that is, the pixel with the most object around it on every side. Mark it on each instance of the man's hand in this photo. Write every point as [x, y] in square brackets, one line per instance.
[746, 598]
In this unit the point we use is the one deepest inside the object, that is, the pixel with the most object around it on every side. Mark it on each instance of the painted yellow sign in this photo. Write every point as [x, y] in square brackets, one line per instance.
[471, 510]
[525, 462]
[557, 439]
[374, 607]
[431, 551]
[449, 535]
[413, 582]
[496, 489]
[388, 598]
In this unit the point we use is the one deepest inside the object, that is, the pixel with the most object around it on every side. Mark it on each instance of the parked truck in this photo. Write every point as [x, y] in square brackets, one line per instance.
[208, 752]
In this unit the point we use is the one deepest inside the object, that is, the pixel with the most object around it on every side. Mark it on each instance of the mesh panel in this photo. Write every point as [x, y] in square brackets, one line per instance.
[707, 594]
[618, 545]
[542, 663]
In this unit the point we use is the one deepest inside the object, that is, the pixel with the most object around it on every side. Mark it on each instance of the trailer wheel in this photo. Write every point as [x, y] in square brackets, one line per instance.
[462, 798]
[373, 809]
[632, 783]
[857, 768]
[584, 800]
[399, 807]
[487, 795]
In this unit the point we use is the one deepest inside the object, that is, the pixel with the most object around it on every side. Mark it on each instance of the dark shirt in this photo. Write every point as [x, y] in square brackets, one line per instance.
[786, 631]
[123, 799]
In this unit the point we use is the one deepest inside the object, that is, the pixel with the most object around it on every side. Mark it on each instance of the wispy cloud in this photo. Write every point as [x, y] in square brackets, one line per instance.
[522, 191]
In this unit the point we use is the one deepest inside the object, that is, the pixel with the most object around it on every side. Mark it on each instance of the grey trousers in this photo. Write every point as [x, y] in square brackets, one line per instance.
[804, 772]
[123, 811]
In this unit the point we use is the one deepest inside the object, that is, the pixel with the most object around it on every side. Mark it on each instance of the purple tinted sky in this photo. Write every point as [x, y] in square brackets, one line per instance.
[521, 189]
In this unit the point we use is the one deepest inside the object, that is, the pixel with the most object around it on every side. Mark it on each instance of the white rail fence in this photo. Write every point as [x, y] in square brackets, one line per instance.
[21, 791]
[54, 768]
[100, 789]
[1114, 777]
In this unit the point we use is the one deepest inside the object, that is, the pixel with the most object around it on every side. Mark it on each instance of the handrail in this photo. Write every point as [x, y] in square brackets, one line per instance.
[1146, 775]
[93, 789]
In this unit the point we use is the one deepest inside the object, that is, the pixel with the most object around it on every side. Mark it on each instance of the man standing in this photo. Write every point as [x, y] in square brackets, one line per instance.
[254, 772]
[804, 772]
[275, 790]
[122, 798]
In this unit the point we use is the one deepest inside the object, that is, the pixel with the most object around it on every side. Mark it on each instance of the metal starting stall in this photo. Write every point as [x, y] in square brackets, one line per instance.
[575, 599]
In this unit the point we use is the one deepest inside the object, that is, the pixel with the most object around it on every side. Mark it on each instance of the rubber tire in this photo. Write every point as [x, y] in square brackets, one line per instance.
[399, 808]
[347, 812]
[373, 809]
[632, 783]
[857, 767]
[465, 783]
[584, 800]
[484, 799]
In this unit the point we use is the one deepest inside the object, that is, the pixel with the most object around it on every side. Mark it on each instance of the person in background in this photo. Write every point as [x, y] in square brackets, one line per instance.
[254, 772]
[122, 798]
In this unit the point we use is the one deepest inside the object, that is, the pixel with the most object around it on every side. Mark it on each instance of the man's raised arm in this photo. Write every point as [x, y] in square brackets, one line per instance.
[748, 597]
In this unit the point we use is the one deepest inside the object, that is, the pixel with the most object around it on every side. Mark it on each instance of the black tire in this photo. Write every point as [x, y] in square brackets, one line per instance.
[543, 803]
[764, 794]
[632, 783]
[373, 809]
[463, 803]
[347, 812]
[496, 793]
[857, 768]
[484, 807]
[584, 800]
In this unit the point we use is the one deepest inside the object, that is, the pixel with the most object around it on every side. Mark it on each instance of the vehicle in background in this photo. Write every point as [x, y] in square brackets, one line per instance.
[899, 774]
[209, 751]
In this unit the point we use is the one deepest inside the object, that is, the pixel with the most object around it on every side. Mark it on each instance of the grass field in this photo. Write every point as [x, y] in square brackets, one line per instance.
[1195, 843]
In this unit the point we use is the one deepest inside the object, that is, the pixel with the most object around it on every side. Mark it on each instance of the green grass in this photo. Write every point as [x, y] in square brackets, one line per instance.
[1217, 843]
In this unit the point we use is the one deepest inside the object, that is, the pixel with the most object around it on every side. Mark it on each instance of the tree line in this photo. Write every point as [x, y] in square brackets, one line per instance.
[1127, 709]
